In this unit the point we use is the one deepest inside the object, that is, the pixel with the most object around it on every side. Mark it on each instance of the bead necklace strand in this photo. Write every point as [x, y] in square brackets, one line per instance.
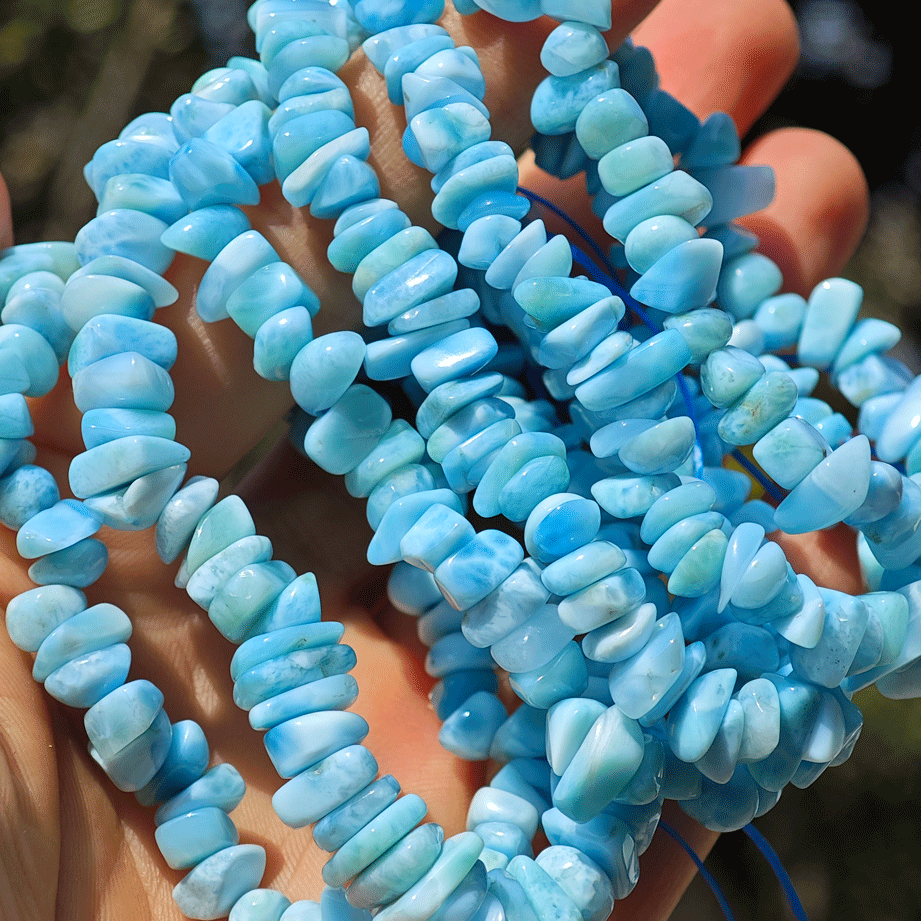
[604, 776]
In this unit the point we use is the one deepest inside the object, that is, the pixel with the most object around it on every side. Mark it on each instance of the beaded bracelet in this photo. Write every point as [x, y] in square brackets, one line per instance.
[609, 726]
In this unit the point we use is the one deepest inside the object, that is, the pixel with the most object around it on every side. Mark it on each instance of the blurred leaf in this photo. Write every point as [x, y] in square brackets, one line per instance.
[19, 38]
[87, 16]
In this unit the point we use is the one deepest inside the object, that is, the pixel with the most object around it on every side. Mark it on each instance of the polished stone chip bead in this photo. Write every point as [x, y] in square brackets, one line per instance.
[746, 282]
[269, 290]
[830, 314]
[357, 240]
[353, 812]
[634, 165]
[212, 888]
[24, 493]
[694, 722]
[377, 17]
[192, 115]
[459, 65]
[379, 835]
[304, 910]
[498, 173]
[572, 47]
[243, 599]
[667, 551]
[244, 134]
[582, 567]
[221, 786]
[550, 301]
[36, 356]
[477, 568]
[300, 743]
[56, 528]
[120, 717]
[403, 272]
[334, 692]
[562, 677]
[181, 516]
[546, 898]
[278, 340]
[217, 528]
[150, 194]
[736, 190]
[135, 764]
[400, 446]
[623, 637]
[188, 839]
[40, 309]
[691, 498]
[125, 156]
[107, 335]
[715, 144]
[205, 175]
[829, 661]
[302, 185]
[468, 732]
[86, 679]
[703, 330]
[14, 378]
[79, 565]
[299, 603]
[206, 581]
[419, 902]
[768, 402]
[580, 878]
[868, 337]
[115, 463]
[301, 136]
[266, 646]
[206, 231]
[604, 601]
[123, 232]
[127, 380]
[225, 84]
[186, 762]
[406, 59]
[653, 238]
[442, 133]
[259, 905]
[628, 496]
[790, 451]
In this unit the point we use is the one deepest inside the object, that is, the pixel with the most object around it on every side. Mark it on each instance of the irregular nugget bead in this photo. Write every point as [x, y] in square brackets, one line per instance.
[107, 335]
[546, 898]
[24, 493]
[335, 692]
[205, 174]
[116, 463]
[188, 839]
[36, 355]
[259, 905]
[134, 765]
[300, 743]
[558, 101]
[677, 193]
[210, 890]
[221, 786]
[471, 573]
[186, 762]
[239, 259]
[127, 380]
[268, 291]
[301, 186]
[325, 786]
[86, 679]
[422, 273]
[206, 231]
[79, 565]
[56, 528]
[278, 341]
[205, 582]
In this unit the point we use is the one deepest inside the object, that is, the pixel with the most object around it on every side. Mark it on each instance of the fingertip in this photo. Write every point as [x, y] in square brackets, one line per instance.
[6, 220]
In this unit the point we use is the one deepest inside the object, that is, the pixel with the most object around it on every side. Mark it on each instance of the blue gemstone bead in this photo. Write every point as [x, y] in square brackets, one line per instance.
[56, 528]
[206, 231]
[244, 134]
[676, 193]
[188, 839]
[120, 717]
[107, 335]
[259, 905]
[240, 603]
[86, 679]
[768, 402]
[213, 886]
[278, 340]
[535, 643]
[222, 786]
[327, 51]
[35, 354]
[498, 173]
[127, 380]
[300, 743]
[830, 314]
[186, 762]
[269, 290]
[205, 174]
[24, 493]
[572, 47]
[736, 190]
[79, 565]
[192, 115]
[242, 256]
[335, 692]
[300, 187]
[746, 282]
[134, 765]
[181, 515]
[111, 465]
[206, 581]
[459, 65]
[338, 825]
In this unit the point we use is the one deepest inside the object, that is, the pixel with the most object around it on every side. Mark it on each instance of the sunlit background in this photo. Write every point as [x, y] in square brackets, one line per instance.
[74, 72]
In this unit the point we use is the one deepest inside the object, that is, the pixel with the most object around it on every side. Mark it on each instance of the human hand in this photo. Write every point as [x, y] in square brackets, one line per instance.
[73, 847]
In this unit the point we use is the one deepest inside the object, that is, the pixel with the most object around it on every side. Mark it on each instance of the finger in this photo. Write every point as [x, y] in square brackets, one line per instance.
[820, 208]
[751, 51]
[6, 221]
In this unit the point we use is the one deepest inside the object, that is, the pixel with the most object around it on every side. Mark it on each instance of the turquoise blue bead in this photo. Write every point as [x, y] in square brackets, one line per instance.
[303, 910]
[436, 535]
[653, 238]
[126, 156]
[551, 301]
[691, 498]
[883, 495]
[425, 275]
[13, 375]
[459, 65]
[510, 895]
[454, 305]
[79, 565]
[188, 839]
[348, 181]
[508, 606]
[335, 692]
[699, 570]
[703, 330]
[15, 419]
[462, 354]
[743, 546]
[626, 496]
[554, 258]
[186, 762]
[259, 905]
[300, 187]
[357, 240]
[509, 264]
[449, 398]
[568, 724]
[623, 637]
[35, 354]
[133, 766]
[107, 335]
[299, 603]
[335, 906]
[278, 340]
[86, 679]
[804, 627]
[390, 257]
[638, 683]
[242, 256]
[558, 101]
[572, 47]
[768, 402]
[564, 676]
[266, 646]
[40, 309]
[358, 213]
[206, 581]
[222, 786]
[241, 601]
[391, 358]
[324, 369]
[694, 722]
[830, 314]
[580, 878]
[453, 653]
[546, 898]
[868, 337]
[120, 717]
[137, 192]
[115, 463]
[535, 643]
[746, 282]
[715, 144]
[471, 573]
[608, 599]
[780, 319]
[582, 567]
[437, 622]
[225, 84]
[205, 174]
[895, 424]
[181, 515]
[412, 479]
[399, 517]
[661, 448]
[762, 579]
[213, 886]
[398, 868]
[444, 132]
[293, 670]
[467, 898]
[206, 231]
[761, 727]
[497, 173]
[467, 423]
[300, 743]
[507, 203]
[485, 238]
[378, 17]
[56, 528]
[381, 833]
[244, 134]
[670, 120]
[751, 651]
[348, 818]
[339, 440]
[676, 193]
[127, 380]
[33, 615]
[192, 115]
[790, 451]
[327, 51]
[458, 855]
[728, 374]
[736, 190]
[269, 290]
[294, 105]
[406, 59]
[422, 92]
[636, 372]
[24, 493]
[633, 166]
[560, 524]
[400, 446]
[834, 489]
[310, 82]
[685, 277]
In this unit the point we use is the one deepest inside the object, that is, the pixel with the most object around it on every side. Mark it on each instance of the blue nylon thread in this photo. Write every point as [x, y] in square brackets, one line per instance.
[773, 859]
[704, 872]
[770, 487]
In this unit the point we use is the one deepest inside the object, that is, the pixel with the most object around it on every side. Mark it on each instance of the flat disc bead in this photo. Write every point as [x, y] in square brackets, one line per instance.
[352, 814]
[334, 692]
[496, 174]
[86, 679]
[411, 271]
[610, 598]
[356, 241]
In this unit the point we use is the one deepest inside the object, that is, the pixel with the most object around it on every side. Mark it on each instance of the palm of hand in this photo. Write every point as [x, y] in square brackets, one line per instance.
[71, 845]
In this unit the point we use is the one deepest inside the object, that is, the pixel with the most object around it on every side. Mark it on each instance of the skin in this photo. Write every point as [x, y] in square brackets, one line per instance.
[71, 846]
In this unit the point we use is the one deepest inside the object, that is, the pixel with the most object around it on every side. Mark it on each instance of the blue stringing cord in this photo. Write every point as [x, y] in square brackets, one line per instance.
[704, 872]
[770, 855]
